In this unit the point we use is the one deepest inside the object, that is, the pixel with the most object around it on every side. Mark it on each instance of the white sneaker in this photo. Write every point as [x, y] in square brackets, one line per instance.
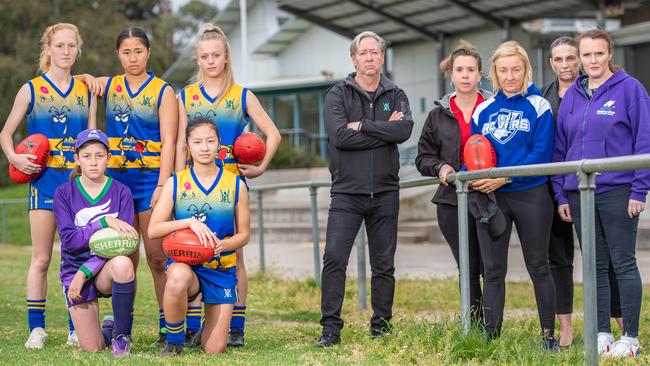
[626, 347]
[36, 339]
[73, 340]
[605, 343]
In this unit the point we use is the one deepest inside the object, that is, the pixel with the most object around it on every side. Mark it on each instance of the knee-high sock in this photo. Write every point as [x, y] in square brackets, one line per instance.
[123, 298]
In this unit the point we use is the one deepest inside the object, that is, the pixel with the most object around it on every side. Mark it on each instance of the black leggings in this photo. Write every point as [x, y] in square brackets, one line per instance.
[531, 211]
[448, 223]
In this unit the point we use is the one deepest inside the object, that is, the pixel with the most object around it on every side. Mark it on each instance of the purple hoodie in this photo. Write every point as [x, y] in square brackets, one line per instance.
[615, 122]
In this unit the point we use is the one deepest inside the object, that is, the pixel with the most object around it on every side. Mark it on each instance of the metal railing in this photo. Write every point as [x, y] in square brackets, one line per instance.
[586, 171]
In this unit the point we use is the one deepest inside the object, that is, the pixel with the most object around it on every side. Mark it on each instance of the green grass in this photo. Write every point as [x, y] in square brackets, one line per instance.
[282, 326]
[17, 220]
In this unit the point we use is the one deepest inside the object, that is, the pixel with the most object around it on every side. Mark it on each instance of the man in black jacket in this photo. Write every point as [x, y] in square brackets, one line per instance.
[366, 116]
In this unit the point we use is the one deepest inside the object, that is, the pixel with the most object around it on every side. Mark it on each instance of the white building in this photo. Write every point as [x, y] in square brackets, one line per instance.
[296, 49]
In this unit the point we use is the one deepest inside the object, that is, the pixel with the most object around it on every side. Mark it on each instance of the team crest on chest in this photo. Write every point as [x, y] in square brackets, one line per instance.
[146, 101]
[200, 214]
[226, 196]
[230, 104]
[504, 125]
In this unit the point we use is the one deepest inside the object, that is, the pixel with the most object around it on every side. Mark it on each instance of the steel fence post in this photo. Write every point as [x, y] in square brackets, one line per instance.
[260, 230]
[587, 185]
[361, 267]
[315, 232]
[463, 243]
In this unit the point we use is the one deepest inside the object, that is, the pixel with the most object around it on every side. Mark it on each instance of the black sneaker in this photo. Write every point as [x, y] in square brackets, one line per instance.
[328, 340]
[549, 344]
[235, 339]
[171, 349]
[376, 333]
[161, 341]
[193, 339]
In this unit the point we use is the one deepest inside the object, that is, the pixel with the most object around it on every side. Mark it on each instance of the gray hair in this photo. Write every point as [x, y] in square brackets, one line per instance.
[357, 39]
[564, 41]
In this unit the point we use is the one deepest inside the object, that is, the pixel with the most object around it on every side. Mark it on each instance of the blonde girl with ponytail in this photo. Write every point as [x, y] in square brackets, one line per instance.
[230, 106]
[59, 106]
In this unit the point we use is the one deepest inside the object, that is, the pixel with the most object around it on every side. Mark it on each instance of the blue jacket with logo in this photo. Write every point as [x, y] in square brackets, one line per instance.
[615, 122]
[521, 129]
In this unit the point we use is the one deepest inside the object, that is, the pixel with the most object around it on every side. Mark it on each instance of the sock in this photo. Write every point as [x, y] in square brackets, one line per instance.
[193, 318]
[161, 320]
[70, 324]
[107, 331]
[36, 314]
[176, 333]
[123, 298]
[238, 320]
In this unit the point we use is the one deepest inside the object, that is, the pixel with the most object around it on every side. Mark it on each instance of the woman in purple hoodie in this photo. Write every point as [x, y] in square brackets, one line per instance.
[605, 114]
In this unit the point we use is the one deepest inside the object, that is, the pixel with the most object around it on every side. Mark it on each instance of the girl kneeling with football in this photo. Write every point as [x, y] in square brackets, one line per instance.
[213, 203]
[87, 203]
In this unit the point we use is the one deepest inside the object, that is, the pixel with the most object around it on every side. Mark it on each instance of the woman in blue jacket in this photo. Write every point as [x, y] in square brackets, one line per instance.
[519, 123]
[605, 114]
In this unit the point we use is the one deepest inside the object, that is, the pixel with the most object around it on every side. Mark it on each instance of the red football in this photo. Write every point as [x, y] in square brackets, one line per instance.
[249, 148]
[184, 246]
[479, 153]
[38, 145]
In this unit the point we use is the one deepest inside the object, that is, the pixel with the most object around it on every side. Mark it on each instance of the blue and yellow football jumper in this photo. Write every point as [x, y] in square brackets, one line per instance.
[215, 207]
[60, 116]
[133, 130]
[228, 113]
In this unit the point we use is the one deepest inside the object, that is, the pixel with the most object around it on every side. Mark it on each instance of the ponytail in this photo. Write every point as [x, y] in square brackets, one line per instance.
[76, 172]
[210, 32]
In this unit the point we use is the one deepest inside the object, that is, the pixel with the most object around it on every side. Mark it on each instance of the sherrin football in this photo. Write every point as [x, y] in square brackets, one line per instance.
[107, 243]
[36, 144]
[184, 246]
[479, 153]
[249, 148]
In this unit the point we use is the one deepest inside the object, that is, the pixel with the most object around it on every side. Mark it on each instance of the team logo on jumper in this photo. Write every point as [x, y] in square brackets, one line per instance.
[122, 116]
[65, 149]
[504, 125]
[80, 101]
[200, 214]
[60, 116]
[607, 109]
[225, 196]
[209, 114]
[188, 196]
[386, 106]
[230, 104]
[146, 101]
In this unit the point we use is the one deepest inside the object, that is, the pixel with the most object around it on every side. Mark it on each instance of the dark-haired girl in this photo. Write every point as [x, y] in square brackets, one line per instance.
[141, 123]
[212, 202]
[440, 153]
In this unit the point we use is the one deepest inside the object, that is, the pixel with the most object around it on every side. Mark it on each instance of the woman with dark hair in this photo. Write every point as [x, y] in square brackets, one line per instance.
[605, 114]
[440, 153]
[141, 124]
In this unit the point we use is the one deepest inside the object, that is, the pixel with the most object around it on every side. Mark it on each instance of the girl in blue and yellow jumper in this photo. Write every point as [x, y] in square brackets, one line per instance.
[58, 106]
[230, 106]
[141, 122]
[212, 202]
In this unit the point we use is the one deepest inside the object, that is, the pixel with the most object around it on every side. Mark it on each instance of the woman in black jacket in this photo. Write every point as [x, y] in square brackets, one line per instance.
[440, 153]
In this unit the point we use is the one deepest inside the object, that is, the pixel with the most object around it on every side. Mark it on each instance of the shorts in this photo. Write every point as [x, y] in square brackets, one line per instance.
[210, 286]
[88, 293]
[142, 204]
[38, 200]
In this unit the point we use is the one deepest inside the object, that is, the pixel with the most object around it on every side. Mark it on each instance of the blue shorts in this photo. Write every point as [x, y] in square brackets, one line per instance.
[39, 200]
[210, 286]
[142, 204]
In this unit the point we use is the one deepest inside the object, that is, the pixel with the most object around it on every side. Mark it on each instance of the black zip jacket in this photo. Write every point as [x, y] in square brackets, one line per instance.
[365, 161]
[439, 144]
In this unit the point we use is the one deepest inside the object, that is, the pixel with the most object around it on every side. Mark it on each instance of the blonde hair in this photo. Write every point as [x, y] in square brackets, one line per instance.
[44, 61]
[464, 49]
[210, 32]
[506, 49]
